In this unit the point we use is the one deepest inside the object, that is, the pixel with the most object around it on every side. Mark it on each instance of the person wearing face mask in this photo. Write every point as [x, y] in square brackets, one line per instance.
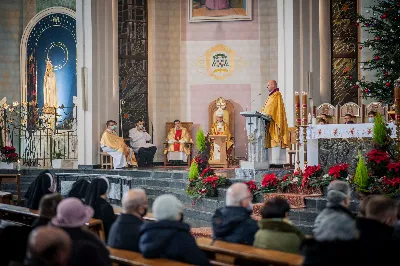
[233, 223]
[169, 237]
[177, 138]
[115, 146]
[276, 231]
[139, 142]
[371, 116]
[124, 233]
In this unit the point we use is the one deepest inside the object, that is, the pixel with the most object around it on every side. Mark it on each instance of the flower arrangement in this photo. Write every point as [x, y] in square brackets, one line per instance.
[269, 183]
[202, 179]
[252, 186]
[8, 154]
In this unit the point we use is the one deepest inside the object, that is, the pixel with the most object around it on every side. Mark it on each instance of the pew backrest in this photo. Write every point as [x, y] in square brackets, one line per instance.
[12, 179]
[126, 257]
[238, 254]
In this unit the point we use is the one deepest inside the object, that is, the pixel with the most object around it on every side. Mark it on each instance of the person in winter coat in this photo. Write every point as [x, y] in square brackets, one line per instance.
[96, 195]
[170, 237]
[276, 232]
[233, 223]
[335, 231]
[47, 209]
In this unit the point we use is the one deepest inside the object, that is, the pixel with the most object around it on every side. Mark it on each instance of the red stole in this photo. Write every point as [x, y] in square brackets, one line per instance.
[178, 136]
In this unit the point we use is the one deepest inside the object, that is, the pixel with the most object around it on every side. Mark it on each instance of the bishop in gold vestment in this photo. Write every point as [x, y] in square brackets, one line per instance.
[115, 146]
[177, 138]
[220, 128]
[277, 133]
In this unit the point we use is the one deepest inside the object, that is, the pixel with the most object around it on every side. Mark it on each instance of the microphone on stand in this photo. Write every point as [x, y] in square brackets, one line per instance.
[252, 101]
[121, 102]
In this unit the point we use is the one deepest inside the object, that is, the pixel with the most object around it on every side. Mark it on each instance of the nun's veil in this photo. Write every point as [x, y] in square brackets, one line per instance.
[79, 189]
[97, 187]
[42, 185]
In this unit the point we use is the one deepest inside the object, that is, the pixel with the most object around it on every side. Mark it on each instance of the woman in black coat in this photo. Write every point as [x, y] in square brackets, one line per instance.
[44, 184]
[96, 195]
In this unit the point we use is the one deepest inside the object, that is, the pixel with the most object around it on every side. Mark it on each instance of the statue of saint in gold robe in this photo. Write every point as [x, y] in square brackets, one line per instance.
[50, 88]
[220, 128]
[277, 133]
[116, 147]
[177, 148]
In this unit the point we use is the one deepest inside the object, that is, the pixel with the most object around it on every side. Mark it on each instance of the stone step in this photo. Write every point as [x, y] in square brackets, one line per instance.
[305, 227]
[320, 203]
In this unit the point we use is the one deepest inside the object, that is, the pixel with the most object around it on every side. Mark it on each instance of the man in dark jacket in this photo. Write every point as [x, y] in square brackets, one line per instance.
[169, 237]
[233, 223]
[124, 233]
[376, 231]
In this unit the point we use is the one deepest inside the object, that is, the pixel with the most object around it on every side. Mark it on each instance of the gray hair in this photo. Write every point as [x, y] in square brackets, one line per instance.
[167, 207]
[236, 193]
[132, 199]
[338, 191]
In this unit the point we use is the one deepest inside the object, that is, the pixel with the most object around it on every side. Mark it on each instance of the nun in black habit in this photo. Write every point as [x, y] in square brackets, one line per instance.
[44, 184]
[96, 195]
[79, 189]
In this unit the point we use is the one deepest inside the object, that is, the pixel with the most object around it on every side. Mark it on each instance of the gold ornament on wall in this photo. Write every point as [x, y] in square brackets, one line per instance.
[219, 62]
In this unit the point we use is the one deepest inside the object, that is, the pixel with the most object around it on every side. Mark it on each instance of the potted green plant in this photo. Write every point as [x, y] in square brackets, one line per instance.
[58, 158]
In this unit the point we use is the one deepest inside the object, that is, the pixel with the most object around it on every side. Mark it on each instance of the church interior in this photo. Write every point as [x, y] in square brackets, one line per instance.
[199, 132]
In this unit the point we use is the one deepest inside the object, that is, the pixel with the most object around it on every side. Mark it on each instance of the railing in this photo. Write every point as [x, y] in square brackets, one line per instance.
[39, 134]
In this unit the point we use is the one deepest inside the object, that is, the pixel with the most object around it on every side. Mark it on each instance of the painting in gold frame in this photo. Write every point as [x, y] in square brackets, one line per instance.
[219, 10]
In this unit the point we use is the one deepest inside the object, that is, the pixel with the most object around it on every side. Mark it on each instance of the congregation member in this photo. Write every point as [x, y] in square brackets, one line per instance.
[233, 223]
[170, 237]
[124, 233]
[45, 183]
[115, 146]
[396, 233]
[334, 231]
[87, 248]
[177, 138]
[348, 119]
[276, 231]
[47, 209]
[49, 246]
[325, 117]
[139, 139]
[322, 121]
[376, 231]
[78, 189]
[96, 196]
[363, 206]
[371, 116]
[277, 135]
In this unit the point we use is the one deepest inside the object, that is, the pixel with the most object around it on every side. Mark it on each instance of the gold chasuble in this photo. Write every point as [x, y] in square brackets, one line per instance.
[222, 129]
[112, 141]
[178, 135]
[277, 133]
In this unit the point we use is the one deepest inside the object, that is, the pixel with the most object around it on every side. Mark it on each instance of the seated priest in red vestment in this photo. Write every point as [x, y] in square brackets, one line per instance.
[177, 138]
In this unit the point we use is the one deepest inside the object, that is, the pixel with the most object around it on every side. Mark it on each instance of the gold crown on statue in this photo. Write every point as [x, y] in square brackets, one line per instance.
[219, 112]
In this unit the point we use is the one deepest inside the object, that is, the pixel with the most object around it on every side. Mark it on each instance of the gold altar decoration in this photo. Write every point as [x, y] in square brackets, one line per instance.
[304, 126]
[219, 62]
[298, 124]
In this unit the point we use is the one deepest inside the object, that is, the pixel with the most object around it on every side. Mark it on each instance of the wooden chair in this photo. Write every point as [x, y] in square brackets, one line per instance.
[292, 146]
[350, 108]
[238, 254]
[126, 257]
[188, 126]
[106, 161]
[6, 197]
[12, 179]
[329, 110]
[376, 107]
[27, 217]
[229, 117]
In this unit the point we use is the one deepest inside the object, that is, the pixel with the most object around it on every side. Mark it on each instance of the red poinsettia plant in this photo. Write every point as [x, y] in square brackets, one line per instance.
[252, 186]
[339, 171]
[269, 183]
[8, 154]
[311, 174]
[377, 162]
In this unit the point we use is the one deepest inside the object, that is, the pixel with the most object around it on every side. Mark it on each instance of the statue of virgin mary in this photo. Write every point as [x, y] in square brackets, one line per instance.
[50, 87]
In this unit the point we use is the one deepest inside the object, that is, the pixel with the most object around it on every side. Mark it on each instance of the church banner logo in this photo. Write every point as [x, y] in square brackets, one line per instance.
[219, 62]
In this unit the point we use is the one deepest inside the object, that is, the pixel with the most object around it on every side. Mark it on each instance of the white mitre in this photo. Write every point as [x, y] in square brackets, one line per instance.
[219, 112]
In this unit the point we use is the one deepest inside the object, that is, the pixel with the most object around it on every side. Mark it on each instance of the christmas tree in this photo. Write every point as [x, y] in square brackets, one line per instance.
[382, 23]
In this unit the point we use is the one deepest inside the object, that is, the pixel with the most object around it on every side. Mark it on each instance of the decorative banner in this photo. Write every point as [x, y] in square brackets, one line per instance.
[219, 62]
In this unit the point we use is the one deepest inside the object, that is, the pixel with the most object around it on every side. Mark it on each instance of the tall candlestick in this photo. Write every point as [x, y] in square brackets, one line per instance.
[297, 108]
[304, 107]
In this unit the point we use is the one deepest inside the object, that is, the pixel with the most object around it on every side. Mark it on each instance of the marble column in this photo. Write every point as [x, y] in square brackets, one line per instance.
[97, 54]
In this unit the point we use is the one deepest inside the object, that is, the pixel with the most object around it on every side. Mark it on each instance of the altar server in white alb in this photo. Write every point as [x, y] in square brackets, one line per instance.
[115, 146]
[140, 144]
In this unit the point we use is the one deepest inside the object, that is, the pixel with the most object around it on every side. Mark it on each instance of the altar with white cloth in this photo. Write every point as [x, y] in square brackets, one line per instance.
[337, 143]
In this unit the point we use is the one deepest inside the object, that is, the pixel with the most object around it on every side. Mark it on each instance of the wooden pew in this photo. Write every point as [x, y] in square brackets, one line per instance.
[126, 257]
[237, 254]
[12, 179]
[27, 217]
